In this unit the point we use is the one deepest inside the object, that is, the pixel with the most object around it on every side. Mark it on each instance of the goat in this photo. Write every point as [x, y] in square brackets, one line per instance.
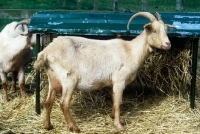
[87, 64]
[15, 54]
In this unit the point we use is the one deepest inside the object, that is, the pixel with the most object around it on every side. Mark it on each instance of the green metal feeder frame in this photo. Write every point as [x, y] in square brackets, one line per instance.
[110, 24]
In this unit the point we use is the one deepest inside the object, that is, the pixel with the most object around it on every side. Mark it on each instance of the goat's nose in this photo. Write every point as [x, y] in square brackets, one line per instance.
[168, 43]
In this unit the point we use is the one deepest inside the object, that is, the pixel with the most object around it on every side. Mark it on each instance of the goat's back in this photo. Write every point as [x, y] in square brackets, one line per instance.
[79, 50]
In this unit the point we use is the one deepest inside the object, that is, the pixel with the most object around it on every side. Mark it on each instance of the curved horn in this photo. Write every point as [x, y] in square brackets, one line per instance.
[157, 15]
[142, 14]
[26, 21]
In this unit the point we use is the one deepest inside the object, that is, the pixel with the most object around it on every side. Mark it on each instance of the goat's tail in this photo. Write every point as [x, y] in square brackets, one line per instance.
[41, 61]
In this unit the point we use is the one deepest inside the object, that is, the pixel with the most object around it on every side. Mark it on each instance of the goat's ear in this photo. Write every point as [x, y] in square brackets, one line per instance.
[170, 26]
[148, 27]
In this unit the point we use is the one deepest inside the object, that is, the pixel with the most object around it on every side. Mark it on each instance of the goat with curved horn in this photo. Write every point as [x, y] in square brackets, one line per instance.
[16, 53]
[24, 22]
[116, 68]
[142, 14]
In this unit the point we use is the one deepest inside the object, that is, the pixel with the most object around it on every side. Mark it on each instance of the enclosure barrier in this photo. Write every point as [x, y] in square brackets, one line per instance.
[108, 25]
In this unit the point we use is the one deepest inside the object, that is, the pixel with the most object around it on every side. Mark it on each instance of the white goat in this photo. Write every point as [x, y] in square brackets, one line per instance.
[15, 54]
[87, 64]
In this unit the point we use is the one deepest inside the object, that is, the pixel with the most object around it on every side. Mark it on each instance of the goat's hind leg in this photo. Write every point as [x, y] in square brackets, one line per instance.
[49, 103]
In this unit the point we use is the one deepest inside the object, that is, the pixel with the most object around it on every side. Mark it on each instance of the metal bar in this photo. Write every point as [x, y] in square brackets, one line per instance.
[115, 5]
[78, 4]
[144, 5]
[96, 5]
[179, 5]
[38, 111]
[194, 70]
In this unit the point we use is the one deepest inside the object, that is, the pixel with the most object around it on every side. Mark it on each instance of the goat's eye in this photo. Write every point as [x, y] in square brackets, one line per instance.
[154, 31]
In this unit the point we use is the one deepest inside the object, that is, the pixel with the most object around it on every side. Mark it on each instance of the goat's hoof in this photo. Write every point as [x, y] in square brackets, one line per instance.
[119, 127]
[5, 99]
[11, 91]
[49, 127]
[75, 129]
[112, 116]
[23, 95]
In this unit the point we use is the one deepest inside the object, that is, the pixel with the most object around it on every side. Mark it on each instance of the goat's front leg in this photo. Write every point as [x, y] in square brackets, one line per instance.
[4, 85]
[64, 104]
[13, 83]
[21, 81]
[117, 101]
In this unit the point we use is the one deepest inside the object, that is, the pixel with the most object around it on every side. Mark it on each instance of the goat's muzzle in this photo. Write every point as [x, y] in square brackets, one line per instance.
[167, 45]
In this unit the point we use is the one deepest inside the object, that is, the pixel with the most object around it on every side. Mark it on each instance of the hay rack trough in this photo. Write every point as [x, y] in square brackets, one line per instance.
[105, 25]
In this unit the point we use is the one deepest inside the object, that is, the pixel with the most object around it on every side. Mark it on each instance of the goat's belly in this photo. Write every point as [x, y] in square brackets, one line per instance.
[9, 67]
[91, 87]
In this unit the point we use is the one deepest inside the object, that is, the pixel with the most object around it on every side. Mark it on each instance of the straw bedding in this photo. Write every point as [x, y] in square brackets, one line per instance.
[157, 102]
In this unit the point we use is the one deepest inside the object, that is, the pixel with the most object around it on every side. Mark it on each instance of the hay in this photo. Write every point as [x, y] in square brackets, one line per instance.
[152, 113]
[160, 109]
[168, 71]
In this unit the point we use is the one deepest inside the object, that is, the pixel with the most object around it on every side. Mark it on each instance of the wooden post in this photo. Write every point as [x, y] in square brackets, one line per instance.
[144, 5]
[24, 14]
[64, 3]
[78, 4]
[115, 5]
[95, 5]
[179, 5]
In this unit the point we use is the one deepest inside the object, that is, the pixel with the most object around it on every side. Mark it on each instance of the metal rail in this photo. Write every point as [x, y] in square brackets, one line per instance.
[38, 110]
[194, 70]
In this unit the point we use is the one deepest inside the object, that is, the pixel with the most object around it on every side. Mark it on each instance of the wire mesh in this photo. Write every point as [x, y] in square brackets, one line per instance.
[11, 10]
[103, 5]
